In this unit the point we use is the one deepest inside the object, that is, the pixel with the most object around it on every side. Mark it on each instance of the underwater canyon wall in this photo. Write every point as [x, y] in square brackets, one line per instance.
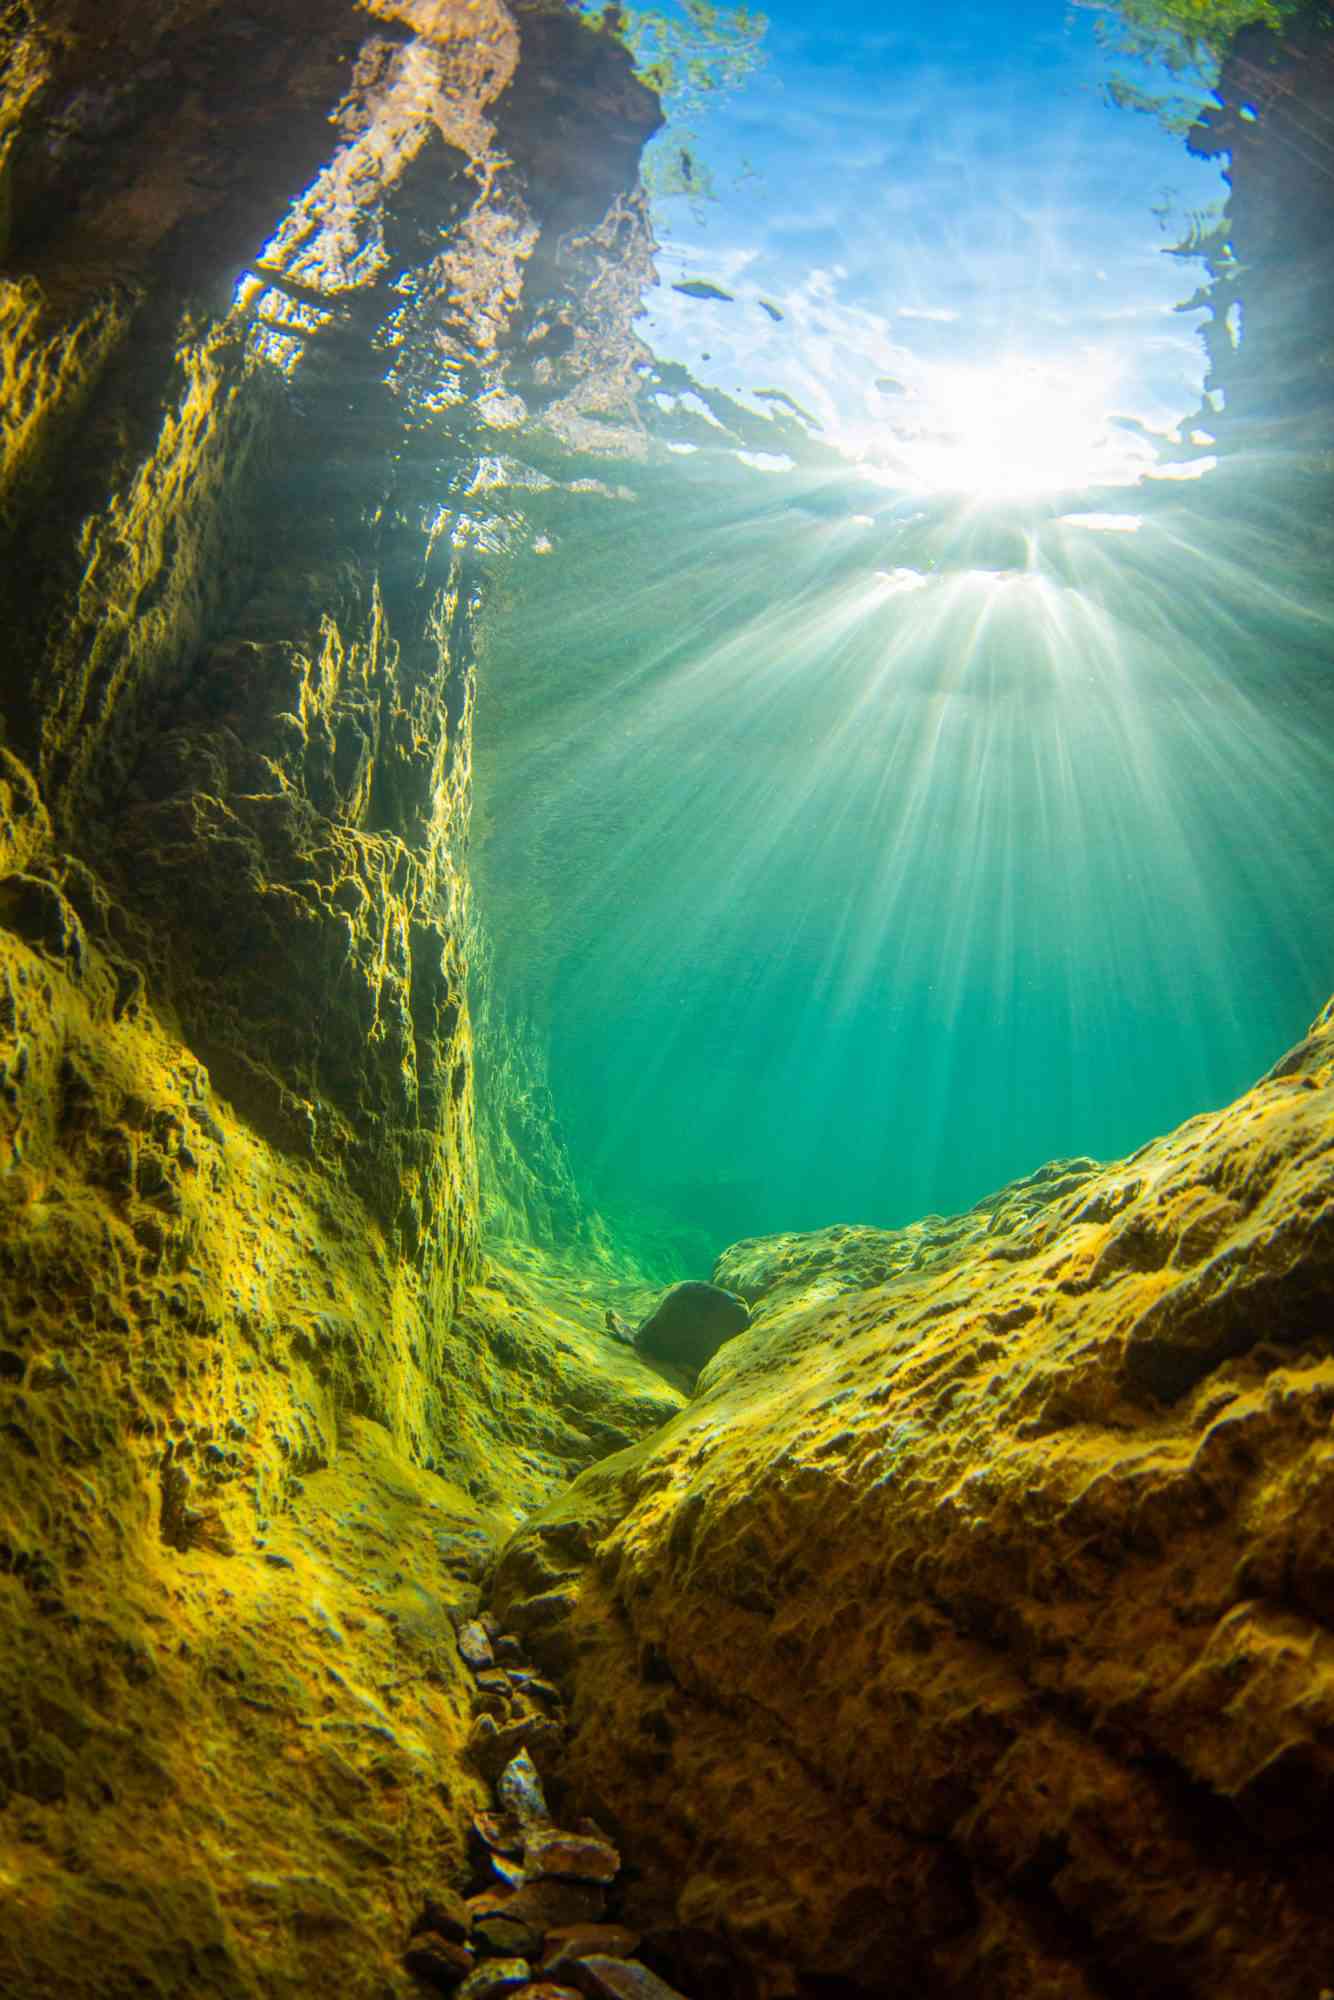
[264, 1411]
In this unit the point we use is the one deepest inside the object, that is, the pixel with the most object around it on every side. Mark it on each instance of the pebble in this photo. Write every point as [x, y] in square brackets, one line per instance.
[570, 1941]
[551, 1883]
[446, 1913]
[497, 1976]
[500, 1831]
[571, 1856]
[439, 1961]
[505, 1936]
[485, 1904]
[493, 1745]
[535, 1684]
[619, 1979]
[549, 1903]
[519, 1790]
[475, 1645]
[483, 1733]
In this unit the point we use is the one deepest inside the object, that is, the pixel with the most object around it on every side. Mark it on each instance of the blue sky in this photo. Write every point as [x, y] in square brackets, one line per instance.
[965, 240]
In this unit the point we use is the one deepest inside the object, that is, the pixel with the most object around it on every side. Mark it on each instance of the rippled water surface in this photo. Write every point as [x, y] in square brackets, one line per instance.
[906, 746]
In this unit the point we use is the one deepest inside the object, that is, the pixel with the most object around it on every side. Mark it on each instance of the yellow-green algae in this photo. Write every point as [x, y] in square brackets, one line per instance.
[969, 1629]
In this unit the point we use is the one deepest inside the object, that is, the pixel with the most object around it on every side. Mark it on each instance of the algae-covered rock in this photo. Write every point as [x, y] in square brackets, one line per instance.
[690, 1324]
[975, 1623]
[265, 1413]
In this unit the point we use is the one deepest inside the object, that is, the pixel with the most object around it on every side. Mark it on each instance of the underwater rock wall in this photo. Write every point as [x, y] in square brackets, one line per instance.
[528, 1190]
[970, 1631]
[1271, 292]
[262, 1412]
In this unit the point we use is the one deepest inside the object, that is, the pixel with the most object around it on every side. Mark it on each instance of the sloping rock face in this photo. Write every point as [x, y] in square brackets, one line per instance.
[263, 1412]
[971, 1632]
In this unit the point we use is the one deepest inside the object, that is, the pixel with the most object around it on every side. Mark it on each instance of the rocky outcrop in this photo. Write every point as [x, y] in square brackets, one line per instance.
[244, 679]
[971, 1629]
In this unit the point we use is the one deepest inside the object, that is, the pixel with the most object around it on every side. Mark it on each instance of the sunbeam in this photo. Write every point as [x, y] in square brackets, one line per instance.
[897, 845]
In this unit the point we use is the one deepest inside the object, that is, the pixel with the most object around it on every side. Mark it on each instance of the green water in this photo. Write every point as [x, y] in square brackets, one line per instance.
[858, 845]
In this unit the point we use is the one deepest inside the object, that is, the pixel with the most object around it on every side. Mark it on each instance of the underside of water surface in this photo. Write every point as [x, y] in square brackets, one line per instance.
[903, 744]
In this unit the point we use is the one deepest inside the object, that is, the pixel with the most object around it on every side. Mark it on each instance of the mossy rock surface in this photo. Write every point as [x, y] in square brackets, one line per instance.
[1008, 1568]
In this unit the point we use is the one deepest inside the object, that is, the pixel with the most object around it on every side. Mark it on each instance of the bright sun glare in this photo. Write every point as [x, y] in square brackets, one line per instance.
[1014, 426]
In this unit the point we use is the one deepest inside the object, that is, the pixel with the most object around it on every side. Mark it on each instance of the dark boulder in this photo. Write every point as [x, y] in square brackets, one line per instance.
[690, 1323]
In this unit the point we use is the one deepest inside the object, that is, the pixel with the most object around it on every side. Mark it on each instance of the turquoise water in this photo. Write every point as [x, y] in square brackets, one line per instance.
[877, 803]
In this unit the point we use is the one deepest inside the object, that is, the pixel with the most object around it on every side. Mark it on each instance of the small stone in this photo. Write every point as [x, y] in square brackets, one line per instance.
[504, 1936]
[498, 1743]
[438, 1961]
[495, 1680]
[617, 1327]
[446, 1913]
[497, 1976]
[487, 1701]
[482, 1738]
[502, 1832]
[485, 1904]
[568, 1942]
[525, 1681]
[618, 1979]
[571, 1856]
[509, 1872]
[506, 1646]
[548, 1903]
[547, 1733]
[474, 1644]
[520, 1792]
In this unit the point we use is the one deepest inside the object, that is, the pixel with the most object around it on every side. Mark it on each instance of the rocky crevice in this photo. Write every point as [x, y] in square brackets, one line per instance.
[255, 1453]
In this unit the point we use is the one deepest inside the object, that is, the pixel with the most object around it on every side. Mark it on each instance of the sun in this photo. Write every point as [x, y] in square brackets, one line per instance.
[1019, 425]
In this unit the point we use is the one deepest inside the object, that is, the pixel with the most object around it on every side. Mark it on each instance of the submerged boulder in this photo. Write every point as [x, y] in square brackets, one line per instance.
[690, 1323]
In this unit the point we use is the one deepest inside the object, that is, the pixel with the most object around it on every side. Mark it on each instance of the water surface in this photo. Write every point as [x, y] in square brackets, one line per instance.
[911, 761]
